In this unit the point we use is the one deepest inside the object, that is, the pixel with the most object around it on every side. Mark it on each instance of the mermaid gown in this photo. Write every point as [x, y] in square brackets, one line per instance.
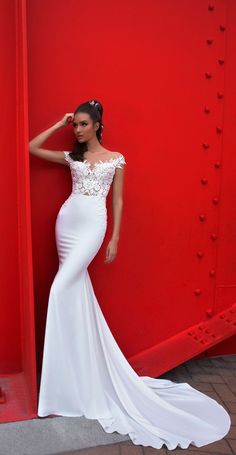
[84, 372]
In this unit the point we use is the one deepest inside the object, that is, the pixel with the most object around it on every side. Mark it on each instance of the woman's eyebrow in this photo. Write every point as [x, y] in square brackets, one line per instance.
[82, 121]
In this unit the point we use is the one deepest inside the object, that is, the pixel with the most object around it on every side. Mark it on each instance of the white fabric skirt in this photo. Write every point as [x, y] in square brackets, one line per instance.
[84, 372]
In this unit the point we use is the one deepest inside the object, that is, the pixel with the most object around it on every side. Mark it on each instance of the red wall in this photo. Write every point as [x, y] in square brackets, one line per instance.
[10, 347]
[225, 292]
[146, 62]
[18, 391]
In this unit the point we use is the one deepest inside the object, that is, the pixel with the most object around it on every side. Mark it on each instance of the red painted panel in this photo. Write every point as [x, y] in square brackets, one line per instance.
[157, 76]
[18, 392]
[226, 251]
[9, 258]
[225, 292]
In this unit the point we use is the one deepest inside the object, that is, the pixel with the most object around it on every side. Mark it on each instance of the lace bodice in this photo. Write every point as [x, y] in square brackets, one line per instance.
[93, 179]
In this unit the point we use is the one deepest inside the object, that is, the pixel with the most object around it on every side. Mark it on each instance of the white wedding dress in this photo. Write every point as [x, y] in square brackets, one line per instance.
[84, 372]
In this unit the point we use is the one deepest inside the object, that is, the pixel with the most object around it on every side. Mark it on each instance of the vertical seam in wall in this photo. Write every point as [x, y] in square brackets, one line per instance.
[221, 169]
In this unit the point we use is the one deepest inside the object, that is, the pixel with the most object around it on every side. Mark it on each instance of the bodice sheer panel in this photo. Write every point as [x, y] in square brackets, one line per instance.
[93, 179]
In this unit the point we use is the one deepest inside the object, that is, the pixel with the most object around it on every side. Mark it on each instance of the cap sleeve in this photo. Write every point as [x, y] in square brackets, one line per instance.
[120, 161]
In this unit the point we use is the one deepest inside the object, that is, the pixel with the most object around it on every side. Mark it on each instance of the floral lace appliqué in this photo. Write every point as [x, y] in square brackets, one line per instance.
[93, 179]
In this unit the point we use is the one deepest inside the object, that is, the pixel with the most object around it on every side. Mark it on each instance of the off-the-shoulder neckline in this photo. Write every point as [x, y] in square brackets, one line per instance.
[93, 165]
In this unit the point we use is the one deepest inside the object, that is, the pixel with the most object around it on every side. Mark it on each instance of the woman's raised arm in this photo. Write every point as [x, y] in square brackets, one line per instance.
[50, 155]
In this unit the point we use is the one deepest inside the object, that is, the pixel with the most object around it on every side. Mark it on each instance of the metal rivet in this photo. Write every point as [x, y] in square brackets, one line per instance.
[210, 7]
[204, 181]
[220, 95]
[220, 61]
[208, 75]
[205, 145]
[202, 217]
[209, 313]
[213, 236]
[212, 273]
[197, 291]
[217, 164]
[215, 200]
[209, 41]
[222, 28]
[218, 130]
[207, 110]
[200, 254]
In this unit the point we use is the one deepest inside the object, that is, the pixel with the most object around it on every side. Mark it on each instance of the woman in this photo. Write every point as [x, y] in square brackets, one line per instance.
[84, 371]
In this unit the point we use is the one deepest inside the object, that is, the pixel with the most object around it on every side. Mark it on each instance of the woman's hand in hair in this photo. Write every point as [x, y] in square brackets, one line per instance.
[67, 119]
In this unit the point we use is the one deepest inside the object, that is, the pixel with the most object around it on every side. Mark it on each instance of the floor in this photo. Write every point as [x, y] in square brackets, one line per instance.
[215, 376]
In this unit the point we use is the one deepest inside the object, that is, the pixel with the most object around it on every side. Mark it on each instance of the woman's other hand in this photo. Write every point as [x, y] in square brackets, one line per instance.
[111, 251]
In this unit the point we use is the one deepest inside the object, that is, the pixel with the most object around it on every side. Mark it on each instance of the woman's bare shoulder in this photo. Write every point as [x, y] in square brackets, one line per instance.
[111, 154]
[115, 154]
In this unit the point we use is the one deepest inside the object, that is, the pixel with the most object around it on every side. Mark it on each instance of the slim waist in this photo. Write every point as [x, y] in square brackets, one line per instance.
[89, 195]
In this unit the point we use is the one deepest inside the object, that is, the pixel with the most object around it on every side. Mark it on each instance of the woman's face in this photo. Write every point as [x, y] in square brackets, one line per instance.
[84, 128]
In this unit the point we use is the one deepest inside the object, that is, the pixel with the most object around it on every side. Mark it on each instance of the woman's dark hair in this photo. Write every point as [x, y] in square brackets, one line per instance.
[95, 110]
